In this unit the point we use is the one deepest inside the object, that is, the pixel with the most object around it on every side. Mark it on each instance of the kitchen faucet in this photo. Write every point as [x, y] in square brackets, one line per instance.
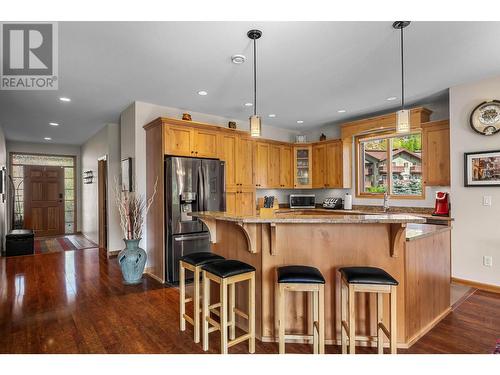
[386, 202]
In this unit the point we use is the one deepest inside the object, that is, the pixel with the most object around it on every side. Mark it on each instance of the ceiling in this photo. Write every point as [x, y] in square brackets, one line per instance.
[306, 71]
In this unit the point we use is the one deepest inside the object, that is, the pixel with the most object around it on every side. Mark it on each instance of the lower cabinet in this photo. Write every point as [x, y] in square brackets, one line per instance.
[240, 201]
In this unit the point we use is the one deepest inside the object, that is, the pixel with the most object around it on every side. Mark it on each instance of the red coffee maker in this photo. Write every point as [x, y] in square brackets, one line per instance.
[442, 206]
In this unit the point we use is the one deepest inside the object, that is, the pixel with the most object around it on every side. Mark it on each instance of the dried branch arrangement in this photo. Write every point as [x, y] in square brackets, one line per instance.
[133, 209]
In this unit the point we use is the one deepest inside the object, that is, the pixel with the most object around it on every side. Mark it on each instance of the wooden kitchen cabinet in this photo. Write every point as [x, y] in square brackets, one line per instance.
[302, 163]
[327, 165]
[285, 173]
[319, 178]
[244, 162]
[334, 171]
[205, 143]
[228, 147]
[273, 171]
[261, 164]
[188, 141]
[436, 153]
[240, 201]
[179, 140]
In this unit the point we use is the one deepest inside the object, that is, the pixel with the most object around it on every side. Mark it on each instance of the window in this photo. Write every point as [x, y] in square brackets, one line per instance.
[391, 164]
[18, 161]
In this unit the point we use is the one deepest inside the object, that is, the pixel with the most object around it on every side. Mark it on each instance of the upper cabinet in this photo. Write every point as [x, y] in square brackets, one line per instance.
[187, 141]
[327, 169]
[261, 164]
[436, 153]
[302, 166]
[286, 180]
[179, 140]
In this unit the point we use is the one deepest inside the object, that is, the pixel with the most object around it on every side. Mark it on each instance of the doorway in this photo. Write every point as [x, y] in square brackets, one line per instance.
[43, 200]
[30, 186]
[102, 178]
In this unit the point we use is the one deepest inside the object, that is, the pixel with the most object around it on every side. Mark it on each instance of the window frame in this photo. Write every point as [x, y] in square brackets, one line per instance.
[359, 168]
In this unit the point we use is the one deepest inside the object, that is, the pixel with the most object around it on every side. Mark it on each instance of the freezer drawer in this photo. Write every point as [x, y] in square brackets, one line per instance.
[183, 244]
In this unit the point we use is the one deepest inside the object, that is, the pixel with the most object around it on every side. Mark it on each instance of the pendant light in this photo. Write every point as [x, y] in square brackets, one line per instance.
[255, 123]
[403, 115]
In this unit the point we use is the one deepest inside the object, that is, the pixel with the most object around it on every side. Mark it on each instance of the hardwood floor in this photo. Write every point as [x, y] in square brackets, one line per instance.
[74, 302]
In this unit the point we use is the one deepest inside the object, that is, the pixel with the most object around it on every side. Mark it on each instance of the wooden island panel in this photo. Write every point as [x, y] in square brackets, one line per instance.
[422, 268]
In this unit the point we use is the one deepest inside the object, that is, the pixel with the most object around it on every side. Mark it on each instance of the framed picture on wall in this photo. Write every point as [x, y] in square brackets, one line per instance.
[482, 168]
[127, 174]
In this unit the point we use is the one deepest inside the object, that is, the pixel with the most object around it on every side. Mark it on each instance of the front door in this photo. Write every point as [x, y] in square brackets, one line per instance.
[44, 200]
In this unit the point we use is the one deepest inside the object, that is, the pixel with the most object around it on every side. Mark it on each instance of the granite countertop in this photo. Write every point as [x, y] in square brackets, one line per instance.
[320, 218]
[416, 231]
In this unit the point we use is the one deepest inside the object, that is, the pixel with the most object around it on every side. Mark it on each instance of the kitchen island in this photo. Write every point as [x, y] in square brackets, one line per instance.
[416, 254]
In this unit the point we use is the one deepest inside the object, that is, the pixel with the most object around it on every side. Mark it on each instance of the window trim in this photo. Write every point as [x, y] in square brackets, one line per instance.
[358, 169]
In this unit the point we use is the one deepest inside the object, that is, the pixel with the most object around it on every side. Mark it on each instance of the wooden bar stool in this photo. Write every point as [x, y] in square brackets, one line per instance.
[367, 280]
[193, 262]
[302, 279]
[227, 273]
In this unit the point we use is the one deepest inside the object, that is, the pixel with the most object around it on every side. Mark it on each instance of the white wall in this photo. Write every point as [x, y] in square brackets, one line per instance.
[476, 228]
[139, 114]
[105, 143]
[54, 149]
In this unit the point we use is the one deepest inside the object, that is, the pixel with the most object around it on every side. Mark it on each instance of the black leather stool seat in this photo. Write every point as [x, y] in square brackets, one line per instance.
[228, 268]
[367, 275]
[300, 275]
[201, 258]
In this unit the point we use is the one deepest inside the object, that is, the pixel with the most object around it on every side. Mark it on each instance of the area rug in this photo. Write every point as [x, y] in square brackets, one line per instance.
[497, 348]
[60, 244]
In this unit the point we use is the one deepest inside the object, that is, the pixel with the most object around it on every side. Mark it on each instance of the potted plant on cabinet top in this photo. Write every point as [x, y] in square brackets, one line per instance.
[133, 209]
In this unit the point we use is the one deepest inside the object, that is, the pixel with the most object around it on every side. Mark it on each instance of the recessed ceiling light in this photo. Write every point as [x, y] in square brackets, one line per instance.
[272, 115]
[248, 104]
[202, 93]
[238, 59]
[64, 99]
[48, 138]
[300, 122]
[53, 124]
[391, 98]
[341, 111]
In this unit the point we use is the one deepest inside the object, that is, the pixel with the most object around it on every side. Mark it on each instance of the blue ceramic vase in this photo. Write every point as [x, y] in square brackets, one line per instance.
[132, 261]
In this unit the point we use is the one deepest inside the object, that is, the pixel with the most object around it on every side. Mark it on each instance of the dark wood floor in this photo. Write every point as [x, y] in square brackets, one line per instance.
[74, 302]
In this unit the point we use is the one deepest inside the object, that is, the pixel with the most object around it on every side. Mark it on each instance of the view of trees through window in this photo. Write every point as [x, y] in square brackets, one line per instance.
[392, 164]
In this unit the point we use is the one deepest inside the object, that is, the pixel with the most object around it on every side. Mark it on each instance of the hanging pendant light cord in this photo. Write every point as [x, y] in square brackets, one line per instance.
[254, 78]
[402, 72]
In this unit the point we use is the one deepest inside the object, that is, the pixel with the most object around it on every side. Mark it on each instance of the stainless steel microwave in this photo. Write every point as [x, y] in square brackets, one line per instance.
[302, 201]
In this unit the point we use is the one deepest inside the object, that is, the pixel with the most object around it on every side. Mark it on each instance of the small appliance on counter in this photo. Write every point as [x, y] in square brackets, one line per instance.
[348, 201]
[442, 207]
[302, 201]
[333, 203]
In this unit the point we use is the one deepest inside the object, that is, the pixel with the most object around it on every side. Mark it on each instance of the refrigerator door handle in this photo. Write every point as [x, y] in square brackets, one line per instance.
[201, 191]
[206, 188]
[191, 238]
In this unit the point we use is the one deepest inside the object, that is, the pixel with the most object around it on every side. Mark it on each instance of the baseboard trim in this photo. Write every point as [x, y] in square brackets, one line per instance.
[477, 285]
[149, 271]
[429, 326]
[113, 253]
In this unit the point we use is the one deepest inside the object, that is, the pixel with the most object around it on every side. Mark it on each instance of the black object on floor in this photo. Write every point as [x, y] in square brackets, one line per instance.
[19, 242]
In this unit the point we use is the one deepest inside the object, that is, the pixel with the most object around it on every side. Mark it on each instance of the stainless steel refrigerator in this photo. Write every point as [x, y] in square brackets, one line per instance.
[190, 185]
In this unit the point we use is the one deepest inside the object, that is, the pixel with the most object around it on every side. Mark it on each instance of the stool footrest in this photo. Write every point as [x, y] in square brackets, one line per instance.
[189, 299]
[188, 319]
[298, 337]
[237, 340]
[241, 313]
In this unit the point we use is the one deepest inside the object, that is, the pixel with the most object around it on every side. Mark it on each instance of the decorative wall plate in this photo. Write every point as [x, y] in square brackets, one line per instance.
[485, 118]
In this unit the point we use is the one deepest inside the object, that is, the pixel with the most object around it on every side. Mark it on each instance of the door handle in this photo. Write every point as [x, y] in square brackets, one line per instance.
[190, 238]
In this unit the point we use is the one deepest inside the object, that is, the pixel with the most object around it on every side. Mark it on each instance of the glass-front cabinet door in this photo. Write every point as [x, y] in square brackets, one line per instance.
[302, 160]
